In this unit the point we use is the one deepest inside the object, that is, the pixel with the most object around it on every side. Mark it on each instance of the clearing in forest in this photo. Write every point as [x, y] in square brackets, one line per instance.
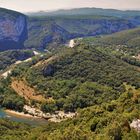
[22, 89]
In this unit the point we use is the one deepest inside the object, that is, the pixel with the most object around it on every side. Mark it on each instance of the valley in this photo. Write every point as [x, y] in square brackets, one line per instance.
[30, 94]
[67, 76]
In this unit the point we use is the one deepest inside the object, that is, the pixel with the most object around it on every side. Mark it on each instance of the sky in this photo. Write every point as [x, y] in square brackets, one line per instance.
[47, 5]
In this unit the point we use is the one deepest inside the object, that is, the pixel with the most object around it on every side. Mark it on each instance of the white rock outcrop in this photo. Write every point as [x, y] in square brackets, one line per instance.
[135, 124]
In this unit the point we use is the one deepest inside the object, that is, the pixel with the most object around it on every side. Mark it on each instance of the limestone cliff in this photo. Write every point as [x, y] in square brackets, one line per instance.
[13, 29]
[54, 31]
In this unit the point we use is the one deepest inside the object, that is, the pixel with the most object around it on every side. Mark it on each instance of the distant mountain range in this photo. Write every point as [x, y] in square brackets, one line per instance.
[87, 11]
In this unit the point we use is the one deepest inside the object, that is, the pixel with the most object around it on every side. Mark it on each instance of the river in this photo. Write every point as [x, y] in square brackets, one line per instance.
[30, 121]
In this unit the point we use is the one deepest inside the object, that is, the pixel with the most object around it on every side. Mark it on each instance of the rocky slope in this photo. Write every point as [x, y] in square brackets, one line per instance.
[13, 29]
[52, 31]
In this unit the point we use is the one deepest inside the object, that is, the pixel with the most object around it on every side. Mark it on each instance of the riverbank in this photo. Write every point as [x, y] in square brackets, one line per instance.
[33, 113]
[22, 117]
[20, 114]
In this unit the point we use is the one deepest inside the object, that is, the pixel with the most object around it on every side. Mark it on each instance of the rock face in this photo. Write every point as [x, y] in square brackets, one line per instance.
[13, 29]
[58, 116]
[44, 32]
[136, 125]
[48, 70]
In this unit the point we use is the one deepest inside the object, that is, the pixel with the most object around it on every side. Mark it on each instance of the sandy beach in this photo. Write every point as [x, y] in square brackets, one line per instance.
[61, 116]
[20, 114]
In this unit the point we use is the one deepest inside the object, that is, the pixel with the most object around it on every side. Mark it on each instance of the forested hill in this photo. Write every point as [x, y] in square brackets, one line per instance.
[78, 77]
[128, 41]
[128, 37]
[101, 87]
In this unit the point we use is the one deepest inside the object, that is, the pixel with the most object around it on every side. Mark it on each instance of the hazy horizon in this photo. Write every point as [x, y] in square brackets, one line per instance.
[46, 5]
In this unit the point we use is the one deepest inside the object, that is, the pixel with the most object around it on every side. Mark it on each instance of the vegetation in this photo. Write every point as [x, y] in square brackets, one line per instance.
[9, 57]
[8, 98]
[80, 77]
[107, 121]
[12, 130]
[59, 29]
[127, 42]
[99, 78]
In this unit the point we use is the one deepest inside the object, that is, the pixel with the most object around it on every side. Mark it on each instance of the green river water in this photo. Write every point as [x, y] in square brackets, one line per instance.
[30, 121]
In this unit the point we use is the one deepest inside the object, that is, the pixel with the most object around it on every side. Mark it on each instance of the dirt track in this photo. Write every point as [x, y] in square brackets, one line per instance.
[43, 62]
